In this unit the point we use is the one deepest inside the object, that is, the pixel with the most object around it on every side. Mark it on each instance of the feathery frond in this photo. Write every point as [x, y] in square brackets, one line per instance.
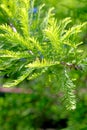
[69, 93]
[34, 44]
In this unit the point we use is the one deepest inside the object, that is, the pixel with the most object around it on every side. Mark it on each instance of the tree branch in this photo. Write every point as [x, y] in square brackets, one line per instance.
[15, 90]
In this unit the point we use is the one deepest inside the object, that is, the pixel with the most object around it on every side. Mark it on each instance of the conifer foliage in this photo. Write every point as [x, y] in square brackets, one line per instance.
[32, 44]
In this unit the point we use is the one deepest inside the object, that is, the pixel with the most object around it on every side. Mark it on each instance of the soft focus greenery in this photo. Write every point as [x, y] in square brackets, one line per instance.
[65, 8]
[19, 112]
[41, 50]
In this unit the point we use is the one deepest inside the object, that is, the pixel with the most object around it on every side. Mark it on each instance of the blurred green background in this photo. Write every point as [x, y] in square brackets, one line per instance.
[43, 108]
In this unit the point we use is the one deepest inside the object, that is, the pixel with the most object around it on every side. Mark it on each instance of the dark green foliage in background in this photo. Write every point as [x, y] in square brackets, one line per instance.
[19, 112]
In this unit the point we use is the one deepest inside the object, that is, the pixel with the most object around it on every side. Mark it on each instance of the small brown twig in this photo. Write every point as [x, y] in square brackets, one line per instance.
[72, 66]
